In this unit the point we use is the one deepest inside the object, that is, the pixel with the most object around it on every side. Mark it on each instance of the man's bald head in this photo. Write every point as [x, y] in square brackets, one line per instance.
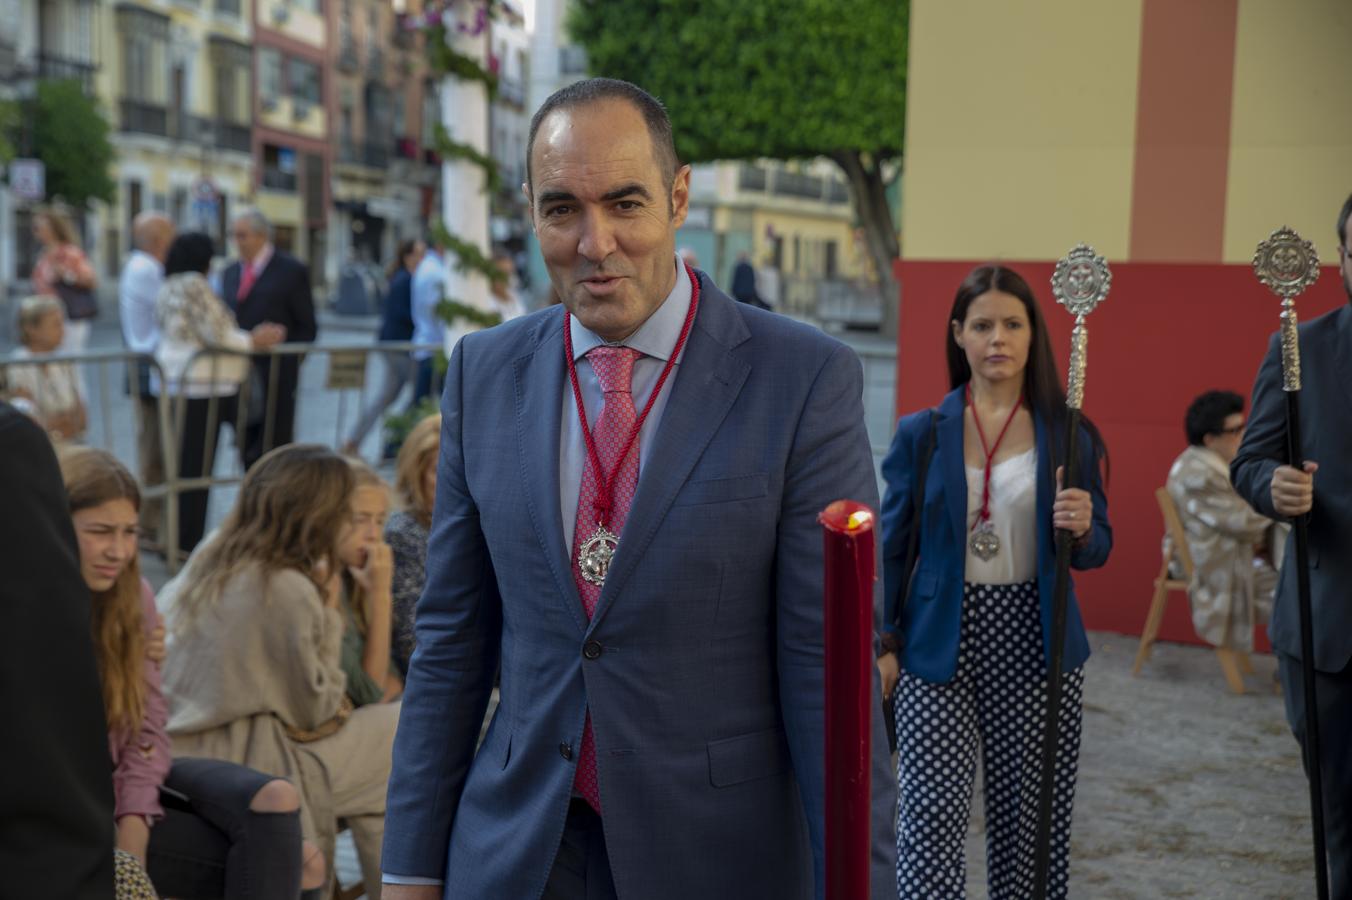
[152, 233]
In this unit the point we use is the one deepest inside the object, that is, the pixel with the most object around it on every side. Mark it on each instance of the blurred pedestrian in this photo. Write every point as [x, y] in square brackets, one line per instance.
[62, 270]
[407, 530]
[396, 324]
[191, 320]
[49, 391]
[506, 298]
[137, 288]
[267, 284]
[965, 657]
[744, 282]
[1320, 488]
[427, 291]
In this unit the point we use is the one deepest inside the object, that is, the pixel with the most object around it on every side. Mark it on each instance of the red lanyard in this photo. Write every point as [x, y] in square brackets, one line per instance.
[985, 513]
[603, 493]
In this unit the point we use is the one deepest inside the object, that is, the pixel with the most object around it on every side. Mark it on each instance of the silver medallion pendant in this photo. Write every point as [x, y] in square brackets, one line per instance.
[593, 557]
[985, 543]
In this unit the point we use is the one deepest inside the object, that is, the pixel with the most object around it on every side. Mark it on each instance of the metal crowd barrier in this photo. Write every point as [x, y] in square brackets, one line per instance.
[113, 376]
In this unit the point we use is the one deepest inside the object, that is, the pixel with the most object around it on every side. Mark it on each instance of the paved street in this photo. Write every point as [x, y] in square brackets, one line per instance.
[1185, 790]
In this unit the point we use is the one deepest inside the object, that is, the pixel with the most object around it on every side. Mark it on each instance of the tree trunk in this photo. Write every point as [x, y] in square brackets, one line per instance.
[868, 189]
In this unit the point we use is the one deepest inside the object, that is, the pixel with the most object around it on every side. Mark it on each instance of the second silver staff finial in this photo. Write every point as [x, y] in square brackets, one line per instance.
[1287, 264]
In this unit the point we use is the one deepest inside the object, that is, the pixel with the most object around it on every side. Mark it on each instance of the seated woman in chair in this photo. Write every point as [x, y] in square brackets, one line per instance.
[201, 827]
[255, 634]
[1233, 576]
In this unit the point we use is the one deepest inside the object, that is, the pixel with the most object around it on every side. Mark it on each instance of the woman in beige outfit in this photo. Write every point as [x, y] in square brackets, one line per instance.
[255, 633]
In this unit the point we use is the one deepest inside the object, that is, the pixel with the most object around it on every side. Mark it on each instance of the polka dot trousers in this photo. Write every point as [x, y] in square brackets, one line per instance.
[994, 706]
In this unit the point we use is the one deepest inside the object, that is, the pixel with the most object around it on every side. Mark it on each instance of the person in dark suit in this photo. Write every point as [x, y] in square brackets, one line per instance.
[56, 787]
[660, 733]
[269, 285]
[1321, 489]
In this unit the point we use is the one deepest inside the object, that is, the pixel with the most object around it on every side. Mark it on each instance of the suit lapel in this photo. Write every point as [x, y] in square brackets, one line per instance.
[950, 453]
[539, 389]
[706, 384]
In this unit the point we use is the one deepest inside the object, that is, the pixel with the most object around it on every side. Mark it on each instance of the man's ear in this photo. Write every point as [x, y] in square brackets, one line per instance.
[680, 197]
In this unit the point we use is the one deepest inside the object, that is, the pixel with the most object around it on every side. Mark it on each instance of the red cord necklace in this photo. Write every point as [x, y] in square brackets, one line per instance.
[596, 551]
[985, 543]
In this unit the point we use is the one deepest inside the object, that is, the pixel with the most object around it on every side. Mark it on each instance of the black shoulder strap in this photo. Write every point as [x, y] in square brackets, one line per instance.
[917, 511]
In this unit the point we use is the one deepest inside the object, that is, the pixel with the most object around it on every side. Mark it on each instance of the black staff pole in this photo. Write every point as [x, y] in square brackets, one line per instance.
[1288, 265]
[1080, 284]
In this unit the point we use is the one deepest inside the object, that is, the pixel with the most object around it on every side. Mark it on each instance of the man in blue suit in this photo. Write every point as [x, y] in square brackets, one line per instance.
[655, 616]
[1321, 489]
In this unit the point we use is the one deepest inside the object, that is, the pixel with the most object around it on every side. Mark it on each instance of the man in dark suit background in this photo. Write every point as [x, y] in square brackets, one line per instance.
[1321, 489]
[269, 285]
[56, 787]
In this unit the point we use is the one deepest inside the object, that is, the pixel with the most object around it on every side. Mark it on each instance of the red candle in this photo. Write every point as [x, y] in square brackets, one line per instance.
[849, 573]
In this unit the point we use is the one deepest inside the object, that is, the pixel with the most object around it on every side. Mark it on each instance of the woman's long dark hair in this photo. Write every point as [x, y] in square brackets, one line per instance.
[1042, 390]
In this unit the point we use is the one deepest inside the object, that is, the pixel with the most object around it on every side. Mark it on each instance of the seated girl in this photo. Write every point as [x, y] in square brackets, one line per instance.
[368, 570]
[255, 633]
[200, 827]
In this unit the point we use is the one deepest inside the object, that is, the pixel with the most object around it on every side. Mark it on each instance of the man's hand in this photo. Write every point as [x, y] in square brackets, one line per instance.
[1293, 489]
[267, 334]
[890, 670]
[410, 891]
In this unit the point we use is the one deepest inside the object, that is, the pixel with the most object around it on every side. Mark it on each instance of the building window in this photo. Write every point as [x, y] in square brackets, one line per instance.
[303, 81]
[269, 74]
[279, 168]
[144, 37]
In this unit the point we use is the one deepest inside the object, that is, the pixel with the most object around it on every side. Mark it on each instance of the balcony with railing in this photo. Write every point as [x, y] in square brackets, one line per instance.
[277, 180]
[144, 118]
[348, 60]
[229, 8]
[751, 178]
[374, 154]
[375, 62]
[572, 61]
[512, 91]
[53, 67]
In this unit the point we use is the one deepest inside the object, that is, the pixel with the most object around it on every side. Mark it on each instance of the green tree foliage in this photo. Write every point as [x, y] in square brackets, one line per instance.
[783, 79]
[70, 136]
[9, 125]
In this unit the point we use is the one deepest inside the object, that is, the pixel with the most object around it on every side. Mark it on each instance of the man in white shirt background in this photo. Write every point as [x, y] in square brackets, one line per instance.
[139, 285]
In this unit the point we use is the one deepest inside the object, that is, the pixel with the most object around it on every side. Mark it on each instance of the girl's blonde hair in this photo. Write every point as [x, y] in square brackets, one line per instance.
[59, 222]
[420, 448]
[32, 310]
[290, 514]
[95, 477]
[363, 476]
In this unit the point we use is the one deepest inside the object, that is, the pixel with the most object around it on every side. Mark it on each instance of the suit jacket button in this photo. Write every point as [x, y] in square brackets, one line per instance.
[592, 650]
[566, 750]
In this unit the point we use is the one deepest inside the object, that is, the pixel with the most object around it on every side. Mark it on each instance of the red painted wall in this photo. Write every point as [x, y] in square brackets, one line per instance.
[1166, 333]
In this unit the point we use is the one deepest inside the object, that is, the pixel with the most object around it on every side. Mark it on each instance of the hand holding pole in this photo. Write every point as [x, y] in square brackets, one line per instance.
[1080, 283]
[1288, 264]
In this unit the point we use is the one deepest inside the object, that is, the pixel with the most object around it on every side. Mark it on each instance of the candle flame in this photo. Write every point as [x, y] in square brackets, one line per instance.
[858, 520]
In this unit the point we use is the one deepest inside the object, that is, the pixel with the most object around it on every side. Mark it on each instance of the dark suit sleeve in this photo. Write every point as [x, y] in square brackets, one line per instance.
[831, 459]
[450, 677]
[56, 789]
[302, 312]
[1264, 445]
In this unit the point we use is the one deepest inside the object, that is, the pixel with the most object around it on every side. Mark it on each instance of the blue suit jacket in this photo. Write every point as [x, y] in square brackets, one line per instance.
[932, 617]
[706, 700]
[1326, 437]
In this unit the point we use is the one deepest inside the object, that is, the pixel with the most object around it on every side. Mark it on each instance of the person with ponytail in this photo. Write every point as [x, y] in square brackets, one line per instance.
[974, 498]
[199, 827]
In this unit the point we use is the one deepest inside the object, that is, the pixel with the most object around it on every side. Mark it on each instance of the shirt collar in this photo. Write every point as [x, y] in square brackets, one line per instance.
[657, 336]
[147, 257]
[261, 260]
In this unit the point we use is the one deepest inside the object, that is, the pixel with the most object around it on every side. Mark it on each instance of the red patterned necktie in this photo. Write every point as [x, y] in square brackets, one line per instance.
[614, 368]
[247, 277]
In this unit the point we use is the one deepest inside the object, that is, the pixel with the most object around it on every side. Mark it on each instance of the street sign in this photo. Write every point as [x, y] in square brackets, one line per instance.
[347, 370]
[28, 179]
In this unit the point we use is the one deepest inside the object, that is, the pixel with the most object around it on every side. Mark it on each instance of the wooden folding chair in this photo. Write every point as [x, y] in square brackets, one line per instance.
[1233, 662]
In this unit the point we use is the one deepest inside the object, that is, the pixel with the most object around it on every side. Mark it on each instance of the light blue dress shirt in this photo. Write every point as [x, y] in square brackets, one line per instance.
[654, 339]
[429, 284]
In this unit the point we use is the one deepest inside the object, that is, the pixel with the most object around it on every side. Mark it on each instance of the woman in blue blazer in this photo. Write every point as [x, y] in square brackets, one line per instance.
[966, 655]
